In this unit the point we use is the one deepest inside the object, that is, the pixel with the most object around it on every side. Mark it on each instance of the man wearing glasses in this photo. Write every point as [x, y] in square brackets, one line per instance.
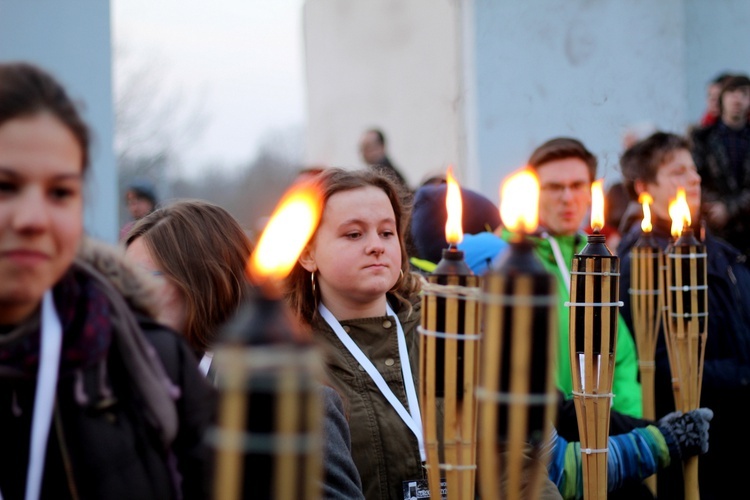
[565, 170]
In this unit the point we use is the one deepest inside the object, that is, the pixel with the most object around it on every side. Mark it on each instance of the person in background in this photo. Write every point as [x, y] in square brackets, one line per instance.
[96, 399]
[565, 170]
[480, 217]
[713, 89]
[722, 155]
[372, 148]
[659, 165]
[199, 251]
[141, 200]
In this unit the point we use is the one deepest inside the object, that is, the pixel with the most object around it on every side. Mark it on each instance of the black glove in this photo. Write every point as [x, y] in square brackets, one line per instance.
[686, 434]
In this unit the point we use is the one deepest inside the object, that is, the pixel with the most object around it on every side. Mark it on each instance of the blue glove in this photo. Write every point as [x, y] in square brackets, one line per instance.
[686, 434]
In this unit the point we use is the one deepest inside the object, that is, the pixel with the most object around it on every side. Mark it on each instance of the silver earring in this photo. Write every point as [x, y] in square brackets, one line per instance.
[312, 281]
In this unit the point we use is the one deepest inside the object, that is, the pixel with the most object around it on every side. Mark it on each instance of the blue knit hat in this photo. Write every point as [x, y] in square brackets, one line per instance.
[143, 188]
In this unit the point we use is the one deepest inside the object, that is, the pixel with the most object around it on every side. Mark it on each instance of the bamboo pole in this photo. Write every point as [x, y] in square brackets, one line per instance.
[517, 399]
[647, 304]
[449, 344]
[593, 340]
[686, 330]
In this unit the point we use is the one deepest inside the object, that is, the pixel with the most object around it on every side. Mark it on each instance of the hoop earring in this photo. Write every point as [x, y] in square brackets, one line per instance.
[312, 281]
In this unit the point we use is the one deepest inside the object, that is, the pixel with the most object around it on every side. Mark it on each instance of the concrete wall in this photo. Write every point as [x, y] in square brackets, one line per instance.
[392, 64]
[71, 39]
[573, 68]
[483, 82]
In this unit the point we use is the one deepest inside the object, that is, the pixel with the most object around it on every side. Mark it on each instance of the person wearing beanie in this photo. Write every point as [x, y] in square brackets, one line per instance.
[427, 229]
[141, 200]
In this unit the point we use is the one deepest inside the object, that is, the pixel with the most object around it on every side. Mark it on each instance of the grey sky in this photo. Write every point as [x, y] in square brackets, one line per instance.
[242, 58]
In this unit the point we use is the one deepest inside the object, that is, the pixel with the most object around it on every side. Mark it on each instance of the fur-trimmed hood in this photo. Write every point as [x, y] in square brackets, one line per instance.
[135, 284]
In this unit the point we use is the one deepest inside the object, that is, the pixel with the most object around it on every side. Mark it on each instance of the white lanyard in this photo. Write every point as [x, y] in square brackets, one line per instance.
[559, 259]
[205, 363]
[413, 420]
[44, 398]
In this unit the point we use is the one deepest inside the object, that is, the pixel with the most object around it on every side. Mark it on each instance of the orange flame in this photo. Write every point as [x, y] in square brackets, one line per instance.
[646, 200]
[519, 202]
[454, 232]
[597, 206]
[289, 229]
[679, 211]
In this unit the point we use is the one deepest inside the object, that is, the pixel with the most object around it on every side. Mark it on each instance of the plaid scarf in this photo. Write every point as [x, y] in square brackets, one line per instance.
[84, 312]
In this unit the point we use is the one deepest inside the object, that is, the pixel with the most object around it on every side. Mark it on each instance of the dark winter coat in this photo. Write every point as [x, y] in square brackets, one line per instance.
[726, 372]
[131, 405]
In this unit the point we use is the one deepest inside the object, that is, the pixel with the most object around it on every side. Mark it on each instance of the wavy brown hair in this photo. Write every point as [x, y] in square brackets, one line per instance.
[203, 250]
[302, 299]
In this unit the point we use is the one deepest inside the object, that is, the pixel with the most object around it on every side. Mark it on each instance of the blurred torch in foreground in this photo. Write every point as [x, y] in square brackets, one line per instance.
[449, 344]
[516, 393]
[686, 320]
[594, 306]
[268, 440]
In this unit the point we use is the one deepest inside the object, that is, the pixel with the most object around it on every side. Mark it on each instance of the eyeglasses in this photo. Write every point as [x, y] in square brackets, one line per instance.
[556, 190]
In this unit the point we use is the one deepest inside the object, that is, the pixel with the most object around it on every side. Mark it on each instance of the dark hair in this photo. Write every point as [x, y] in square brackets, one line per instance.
[734, 82]
[302, 299]
[203, 250]
[379, 134]
[27, 90]
[561, 148]
[642, 160]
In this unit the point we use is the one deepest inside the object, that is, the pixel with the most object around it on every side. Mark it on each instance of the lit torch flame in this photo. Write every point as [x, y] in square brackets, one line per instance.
[679, 211]
[646, 200]
[288, 230]
[519, 202]
[454, 232]
[597, 206]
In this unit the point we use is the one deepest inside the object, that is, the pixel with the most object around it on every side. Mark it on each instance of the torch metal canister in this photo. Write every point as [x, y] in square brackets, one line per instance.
[593, 338]
[449, 364]
[686, 324]
[268, 440]
[517, 398]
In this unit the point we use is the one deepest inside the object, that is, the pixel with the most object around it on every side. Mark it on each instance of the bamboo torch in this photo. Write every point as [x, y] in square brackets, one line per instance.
[516, 393]
[449, 348]
[647, 306]
[647, 302]
[593, 337]
[268, 439]
[686, 320]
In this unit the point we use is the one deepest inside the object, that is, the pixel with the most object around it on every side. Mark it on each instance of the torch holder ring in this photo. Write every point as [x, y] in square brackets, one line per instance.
[619, 303]
[451, 291]
[510, 398]
[445, 335]
[687, 255]
[687, 288]
[634, 291]
[688, 315]
[591, 451]
[593, 395]
[595, 273]
[455, 467]
[519, 300]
